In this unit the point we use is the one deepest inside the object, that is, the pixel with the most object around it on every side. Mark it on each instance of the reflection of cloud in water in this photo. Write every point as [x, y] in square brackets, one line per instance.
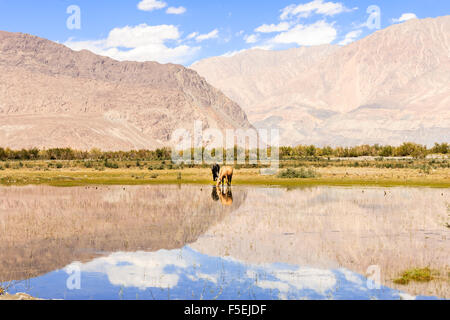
[141, 270]
[188, 274]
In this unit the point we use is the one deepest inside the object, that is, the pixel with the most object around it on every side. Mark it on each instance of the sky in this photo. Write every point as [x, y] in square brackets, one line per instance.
[185, 31]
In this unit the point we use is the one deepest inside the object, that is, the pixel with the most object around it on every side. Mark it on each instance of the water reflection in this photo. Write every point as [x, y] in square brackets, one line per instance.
[188, 274]
[45, 228]
[196, 242]
[224, 194]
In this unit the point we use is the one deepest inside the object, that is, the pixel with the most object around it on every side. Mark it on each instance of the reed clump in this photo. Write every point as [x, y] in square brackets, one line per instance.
[418, 275]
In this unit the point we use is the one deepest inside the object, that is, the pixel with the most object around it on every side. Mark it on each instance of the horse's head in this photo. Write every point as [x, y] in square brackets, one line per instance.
[215, 171]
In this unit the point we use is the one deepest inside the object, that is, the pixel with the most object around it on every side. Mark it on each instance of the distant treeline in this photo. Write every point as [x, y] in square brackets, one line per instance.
[405, 150]
[286, 153]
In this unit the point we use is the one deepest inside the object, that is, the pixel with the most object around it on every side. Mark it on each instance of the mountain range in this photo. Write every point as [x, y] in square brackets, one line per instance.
[390, 87]
[52, 96]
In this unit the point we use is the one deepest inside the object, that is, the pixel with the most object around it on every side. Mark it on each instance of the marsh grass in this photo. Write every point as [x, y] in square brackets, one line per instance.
[418, 275]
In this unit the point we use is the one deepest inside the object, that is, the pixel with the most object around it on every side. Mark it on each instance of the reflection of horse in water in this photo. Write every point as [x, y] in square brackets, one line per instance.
[226, 198]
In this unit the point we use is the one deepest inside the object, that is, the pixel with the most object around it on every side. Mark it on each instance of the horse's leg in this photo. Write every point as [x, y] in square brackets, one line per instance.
[230, 177]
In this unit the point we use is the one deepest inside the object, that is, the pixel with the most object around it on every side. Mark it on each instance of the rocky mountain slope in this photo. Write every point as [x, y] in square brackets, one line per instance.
[390, 87]
[51, 96]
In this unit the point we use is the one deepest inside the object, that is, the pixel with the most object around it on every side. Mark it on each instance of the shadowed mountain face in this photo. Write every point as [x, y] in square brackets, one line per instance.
[390, 87]
[51, 96]
[44, 229]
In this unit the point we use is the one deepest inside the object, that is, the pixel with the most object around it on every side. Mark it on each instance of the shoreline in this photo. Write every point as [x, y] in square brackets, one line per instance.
[332, 176]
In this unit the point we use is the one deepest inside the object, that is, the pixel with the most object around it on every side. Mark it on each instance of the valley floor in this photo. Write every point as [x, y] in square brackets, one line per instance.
[342, 175]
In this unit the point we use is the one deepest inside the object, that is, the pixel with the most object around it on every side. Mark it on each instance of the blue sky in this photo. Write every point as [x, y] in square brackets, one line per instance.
[184, 31]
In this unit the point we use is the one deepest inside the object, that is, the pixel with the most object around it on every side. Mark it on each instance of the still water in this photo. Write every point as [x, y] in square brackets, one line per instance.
[196, 242]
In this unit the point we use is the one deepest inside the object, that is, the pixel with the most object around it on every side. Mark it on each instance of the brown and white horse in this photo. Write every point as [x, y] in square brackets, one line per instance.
[225, 173]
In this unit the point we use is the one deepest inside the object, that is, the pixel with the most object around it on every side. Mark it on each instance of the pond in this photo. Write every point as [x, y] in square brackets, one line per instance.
[197, 242]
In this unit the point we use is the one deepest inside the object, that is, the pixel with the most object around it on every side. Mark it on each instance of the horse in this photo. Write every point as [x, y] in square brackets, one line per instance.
[215, 172]
[225, 172]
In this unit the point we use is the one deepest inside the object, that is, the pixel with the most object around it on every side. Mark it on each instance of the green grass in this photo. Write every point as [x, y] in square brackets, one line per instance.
[75, 174]
[418, 275]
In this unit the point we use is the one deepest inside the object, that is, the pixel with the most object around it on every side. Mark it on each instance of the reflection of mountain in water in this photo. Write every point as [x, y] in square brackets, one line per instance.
[396, 229]
[188, 274]
[45, 228]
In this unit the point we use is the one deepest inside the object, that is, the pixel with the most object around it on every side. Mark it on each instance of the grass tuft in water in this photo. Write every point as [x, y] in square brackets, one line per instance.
[418, 275]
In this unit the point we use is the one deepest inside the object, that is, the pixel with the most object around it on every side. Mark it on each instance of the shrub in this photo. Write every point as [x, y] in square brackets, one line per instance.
[111, 165]
[297, 174]
[88, 164]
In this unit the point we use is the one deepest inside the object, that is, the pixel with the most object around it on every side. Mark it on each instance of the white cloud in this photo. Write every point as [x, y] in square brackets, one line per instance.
[192, 35]
[251, 38]
[266, 28]
[320, 32]
[350, 37]
[212, 35]
[150, 5]
[313, 7]
[141, 43]
[232, 53]
[174, 10]
[141, 35]
[405, 17]
[267, 46]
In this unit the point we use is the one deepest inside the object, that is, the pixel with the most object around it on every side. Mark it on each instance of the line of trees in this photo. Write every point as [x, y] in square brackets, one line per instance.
[405, 150]
[94, 154]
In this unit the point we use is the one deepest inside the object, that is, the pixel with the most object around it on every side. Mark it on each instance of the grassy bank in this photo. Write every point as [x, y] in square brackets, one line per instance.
[70, 173]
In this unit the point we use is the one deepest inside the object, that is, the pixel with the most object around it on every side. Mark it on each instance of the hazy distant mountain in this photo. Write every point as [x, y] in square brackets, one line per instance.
[51, 96]
[390, 87]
